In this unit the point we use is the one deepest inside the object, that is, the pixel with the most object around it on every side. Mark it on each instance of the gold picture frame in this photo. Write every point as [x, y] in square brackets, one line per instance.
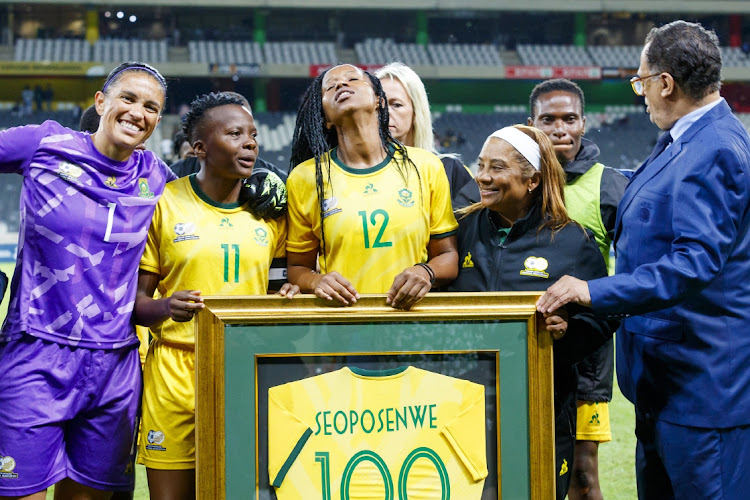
[435, 307]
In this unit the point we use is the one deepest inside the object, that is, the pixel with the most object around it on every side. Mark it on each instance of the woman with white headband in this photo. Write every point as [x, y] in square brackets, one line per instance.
[519, 238]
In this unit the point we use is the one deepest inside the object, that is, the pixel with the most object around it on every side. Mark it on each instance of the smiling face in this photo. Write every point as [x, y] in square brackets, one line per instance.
[346, 89]
[227, 142]
[502, 184]
[559, 115]
[130, 111]
[400, 111]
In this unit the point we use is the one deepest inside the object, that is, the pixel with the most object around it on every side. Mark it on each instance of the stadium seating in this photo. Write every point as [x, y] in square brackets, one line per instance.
[616, 56]
[553, 55]
[63, 49]
[371, 51]
[117, 50]
[383, 51]
[734, 57]
[300, 53]
[454, 54]
[58, 49]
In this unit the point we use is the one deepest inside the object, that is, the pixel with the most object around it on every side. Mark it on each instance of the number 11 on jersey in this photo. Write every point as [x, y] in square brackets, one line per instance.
[236, 248]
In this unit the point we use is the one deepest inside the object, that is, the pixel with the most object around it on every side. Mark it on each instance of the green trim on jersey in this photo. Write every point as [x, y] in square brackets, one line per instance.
[364, 372]
[291, 458]
[583, 199]
[362, 171]
[443, 235]
[204, 197]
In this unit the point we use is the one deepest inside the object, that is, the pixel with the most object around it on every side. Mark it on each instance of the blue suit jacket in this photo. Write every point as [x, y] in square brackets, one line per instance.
[683, 278]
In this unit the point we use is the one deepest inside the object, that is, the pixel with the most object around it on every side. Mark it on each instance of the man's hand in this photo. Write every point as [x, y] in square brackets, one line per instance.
[567, 289]
[266, 193]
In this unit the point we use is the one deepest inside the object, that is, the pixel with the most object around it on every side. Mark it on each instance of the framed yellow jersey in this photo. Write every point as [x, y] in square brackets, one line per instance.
[195, 243]
[377, 221]
[356, 434]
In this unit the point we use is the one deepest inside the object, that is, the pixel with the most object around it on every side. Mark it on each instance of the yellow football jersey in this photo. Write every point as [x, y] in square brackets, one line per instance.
[376, 223]
[197, 244]
[360, 434]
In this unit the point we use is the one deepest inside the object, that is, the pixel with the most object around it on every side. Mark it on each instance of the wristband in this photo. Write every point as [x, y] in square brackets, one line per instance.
[429, 271]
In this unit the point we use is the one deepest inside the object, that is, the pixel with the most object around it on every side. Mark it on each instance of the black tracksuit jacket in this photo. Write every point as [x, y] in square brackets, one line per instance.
[487, 265]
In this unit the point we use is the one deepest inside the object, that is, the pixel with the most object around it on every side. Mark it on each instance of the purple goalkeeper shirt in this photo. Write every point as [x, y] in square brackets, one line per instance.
[84, 221]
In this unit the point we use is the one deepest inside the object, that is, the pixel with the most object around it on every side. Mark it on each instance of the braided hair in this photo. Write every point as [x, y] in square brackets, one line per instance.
[312, 140]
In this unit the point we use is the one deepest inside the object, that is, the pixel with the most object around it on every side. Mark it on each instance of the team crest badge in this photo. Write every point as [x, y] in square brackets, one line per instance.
[143, 190]
[535, 266]
[405, 198]
[69, 171]
[261, 236]
[7, 466]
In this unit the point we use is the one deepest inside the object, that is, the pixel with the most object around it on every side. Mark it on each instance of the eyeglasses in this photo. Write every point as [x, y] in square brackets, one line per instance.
[637, 83]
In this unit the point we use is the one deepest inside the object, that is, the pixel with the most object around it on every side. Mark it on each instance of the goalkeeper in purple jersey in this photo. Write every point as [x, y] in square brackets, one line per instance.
[68, 347]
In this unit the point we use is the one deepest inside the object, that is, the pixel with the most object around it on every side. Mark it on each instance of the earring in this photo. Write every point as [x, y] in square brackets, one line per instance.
[529, 190]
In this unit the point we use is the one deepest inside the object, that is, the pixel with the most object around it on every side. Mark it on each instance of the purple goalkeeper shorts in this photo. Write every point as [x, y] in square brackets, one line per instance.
[67, 412]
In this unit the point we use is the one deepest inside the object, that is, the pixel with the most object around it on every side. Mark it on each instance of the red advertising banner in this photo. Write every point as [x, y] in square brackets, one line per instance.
[546, 72]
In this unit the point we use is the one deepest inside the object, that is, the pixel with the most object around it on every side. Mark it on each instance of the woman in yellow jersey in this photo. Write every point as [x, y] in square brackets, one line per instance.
[411, 124]
[203, 239]
[375, 214]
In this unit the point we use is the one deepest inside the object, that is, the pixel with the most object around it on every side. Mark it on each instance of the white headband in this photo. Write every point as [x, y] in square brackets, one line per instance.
[522, 142]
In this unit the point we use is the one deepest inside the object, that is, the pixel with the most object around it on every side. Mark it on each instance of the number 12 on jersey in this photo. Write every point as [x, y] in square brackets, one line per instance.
[374, 222]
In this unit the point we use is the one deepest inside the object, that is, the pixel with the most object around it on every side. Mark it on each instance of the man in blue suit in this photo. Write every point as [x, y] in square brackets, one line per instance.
[682, 279]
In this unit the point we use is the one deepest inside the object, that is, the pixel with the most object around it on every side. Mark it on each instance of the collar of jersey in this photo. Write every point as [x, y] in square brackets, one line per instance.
[363, 372]
[362, 171]
[203, 196]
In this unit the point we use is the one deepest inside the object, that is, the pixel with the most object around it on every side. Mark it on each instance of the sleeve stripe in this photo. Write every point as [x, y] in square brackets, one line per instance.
[443, 235]
[291, 458]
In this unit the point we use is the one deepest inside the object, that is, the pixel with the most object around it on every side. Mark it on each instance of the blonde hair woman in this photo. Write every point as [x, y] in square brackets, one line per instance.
[410, 121]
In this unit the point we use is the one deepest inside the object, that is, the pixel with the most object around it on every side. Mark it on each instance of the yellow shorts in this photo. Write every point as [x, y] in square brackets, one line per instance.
[592, 422]
[168, 425]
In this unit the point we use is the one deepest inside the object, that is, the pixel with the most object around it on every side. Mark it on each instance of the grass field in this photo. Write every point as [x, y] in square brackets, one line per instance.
[616, 459]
